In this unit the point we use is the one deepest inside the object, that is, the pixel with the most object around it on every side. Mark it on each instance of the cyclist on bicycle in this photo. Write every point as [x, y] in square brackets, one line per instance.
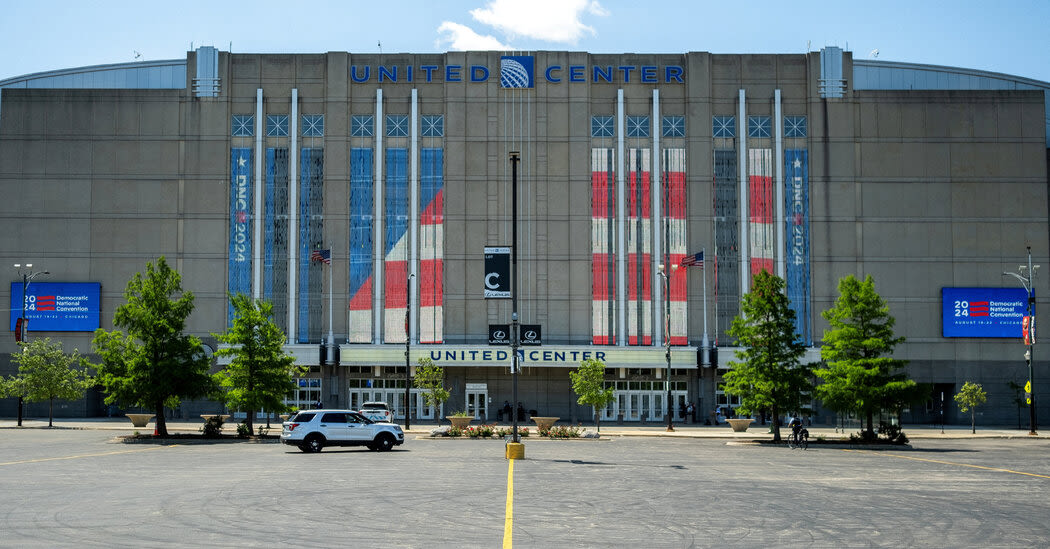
[796, 427]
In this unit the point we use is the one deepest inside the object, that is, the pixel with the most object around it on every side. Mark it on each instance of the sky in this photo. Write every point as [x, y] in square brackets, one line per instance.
[1006, 36]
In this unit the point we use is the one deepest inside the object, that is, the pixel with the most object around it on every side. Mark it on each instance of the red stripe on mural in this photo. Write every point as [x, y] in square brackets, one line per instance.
[430, 277]
[433, 215]
[601, 265]
[760, 200]
[600, 199]
[760, 263]
[362, 300]
[676, 190]
[394, 295]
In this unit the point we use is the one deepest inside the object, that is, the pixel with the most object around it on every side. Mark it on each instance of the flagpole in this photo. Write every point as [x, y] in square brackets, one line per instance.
[705, 343]
[331, 336]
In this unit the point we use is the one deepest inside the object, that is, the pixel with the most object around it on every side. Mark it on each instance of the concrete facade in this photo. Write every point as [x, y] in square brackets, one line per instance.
[920, 189]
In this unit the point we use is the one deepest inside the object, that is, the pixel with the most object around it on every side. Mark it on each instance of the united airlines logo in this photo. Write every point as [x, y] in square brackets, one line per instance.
[515, 71]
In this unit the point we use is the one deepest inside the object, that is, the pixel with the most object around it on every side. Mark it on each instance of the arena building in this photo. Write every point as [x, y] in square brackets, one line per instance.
[370, 197]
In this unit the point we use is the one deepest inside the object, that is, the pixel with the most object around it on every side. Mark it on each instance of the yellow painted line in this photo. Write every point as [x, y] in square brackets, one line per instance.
[41, 460]
[508, 523]
[952, 463]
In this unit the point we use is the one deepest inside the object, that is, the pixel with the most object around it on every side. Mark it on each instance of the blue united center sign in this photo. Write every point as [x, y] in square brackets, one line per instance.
[518, 72]
[58, 306]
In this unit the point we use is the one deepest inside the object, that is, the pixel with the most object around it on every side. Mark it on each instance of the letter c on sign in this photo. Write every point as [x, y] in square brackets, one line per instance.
[488, 281]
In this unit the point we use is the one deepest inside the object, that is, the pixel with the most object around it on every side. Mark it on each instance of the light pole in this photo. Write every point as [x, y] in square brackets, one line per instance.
[515, 157]
[667, 340]
[1026, 274]
[23, 325]
[408, 343]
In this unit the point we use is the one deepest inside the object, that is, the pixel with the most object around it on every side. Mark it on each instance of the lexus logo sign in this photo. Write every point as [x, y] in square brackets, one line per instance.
[531, 334]
[499, 334]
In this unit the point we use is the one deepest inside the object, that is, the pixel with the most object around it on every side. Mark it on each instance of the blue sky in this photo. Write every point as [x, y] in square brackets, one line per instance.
[1008, 36]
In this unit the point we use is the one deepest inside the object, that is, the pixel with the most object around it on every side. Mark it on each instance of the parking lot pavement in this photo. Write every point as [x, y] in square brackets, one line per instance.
[70, 487]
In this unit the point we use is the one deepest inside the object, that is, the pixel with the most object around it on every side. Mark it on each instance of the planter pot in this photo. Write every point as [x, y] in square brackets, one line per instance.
[139, 420]
[740, 425]
[544, 423]
[460, 422]
[284, 417]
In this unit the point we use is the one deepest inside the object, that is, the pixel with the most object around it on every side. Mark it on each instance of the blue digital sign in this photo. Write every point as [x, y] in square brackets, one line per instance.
[983, 312]
[58, 306]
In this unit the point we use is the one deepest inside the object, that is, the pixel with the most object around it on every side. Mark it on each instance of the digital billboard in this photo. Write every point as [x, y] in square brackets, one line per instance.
[58, 306]
[983, 312]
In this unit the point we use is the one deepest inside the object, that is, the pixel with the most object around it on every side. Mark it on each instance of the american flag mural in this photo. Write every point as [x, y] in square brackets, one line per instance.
[240, 252]
[796, 208]
[360, 252]
[639, 248]
[275, 250]
[674, 207]
[727, 242]
[395, 245]
[311, 229]
[760, 209]
[603, 247]
[431, 246]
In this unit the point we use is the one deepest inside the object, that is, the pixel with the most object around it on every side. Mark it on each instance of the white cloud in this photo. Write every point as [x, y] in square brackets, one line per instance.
[463, 38]
[547, 20]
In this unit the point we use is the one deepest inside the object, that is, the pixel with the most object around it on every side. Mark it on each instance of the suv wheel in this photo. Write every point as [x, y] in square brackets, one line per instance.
[384, 442]
[312, 444]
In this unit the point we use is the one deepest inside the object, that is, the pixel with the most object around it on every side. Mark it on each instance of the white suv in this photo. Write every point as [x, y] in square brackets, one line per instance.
[314, 429]
[377, 411]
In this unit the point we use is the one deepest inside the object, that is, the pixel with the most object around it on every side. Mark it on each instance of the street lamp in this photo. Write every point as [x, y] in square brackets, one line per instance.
[408, 342]
[1026, 275]
[22, 326]
[667, 339]
[515, 157]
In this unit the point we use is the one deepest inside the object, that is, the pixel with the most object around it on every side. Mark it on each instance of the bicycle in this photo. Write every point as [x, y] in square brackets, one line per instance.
[799, 439]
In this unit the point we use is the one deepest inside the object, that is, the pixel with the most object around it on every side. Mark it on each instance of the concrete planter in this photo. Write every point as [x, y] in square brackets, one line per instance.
[544, 423]
[460, 422]
[740, 425]
[139, 420]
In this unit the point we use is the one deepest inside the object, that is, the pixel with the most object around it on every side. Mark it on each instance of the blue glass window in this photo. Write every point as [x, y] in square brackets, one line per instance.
[397, 125]
[674, 126]
[724, 127]
[794, 126]
[602, 126]
[313, 125]
[433, 125]
[277, 125]
[362, 125]
[243, 125]
[637, 126]
[759, 126]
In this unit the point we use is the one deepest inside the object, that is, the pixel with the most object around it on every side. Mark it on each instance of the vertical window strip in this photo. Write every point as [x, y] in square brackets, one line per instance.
[360, 244]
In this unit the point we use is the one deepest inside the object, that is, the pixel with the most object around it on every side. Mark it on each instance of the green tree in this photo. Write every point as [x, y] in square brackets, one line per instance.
[588, 381]
[431, 378]
[15, 386]
[770, 374]
[47, 373]
[154, 365]
[859, 375]
[260, 373]
[969, 398]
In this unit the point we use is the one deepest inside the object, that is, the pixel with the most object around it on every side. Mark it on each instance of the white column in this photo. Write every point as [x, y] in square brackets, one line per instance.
[377, 227]
[621, 224]
[260, 207]
[413, 219]
[745, 252]
[293, 216]
[658, 229]
[778, 186]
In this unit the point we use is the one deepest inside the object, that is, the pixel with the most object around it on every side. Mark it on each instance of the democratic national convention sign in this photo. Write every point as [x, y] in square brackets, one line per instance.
[983, 312]
[58, 306]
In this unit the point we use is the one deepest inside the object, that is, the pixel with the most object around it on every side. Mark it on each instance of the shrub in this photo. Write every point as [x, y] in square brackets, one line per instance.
[454, 432]
[212, 427]
[561, 431]
[243, 431]
[507, 431]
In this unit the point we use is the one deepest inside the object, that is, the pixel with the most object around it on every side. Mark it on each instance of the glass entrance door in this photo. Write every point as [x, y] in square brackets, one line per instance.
[477, 404]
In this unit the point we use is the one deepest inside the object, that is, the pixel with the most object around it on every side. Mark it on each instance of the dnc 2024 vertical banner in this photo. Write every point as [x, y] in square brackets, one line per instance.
[983, 312]
[58, 306]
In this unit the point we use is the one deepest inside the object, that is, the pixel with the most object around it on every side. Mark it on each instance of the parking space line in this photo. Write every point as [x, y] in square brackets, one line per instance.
[951, 463]
[508, 523]
[86, 455]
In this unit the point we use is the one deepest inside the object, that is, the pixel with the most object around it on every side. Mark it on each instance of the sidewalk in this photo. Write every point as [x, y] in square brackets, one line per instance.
[123, 425]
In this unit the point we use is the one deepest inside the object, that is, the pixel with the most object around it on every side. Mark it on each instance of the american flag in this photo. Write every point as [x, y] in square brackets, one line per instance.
[694, 260]
[322, 255]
